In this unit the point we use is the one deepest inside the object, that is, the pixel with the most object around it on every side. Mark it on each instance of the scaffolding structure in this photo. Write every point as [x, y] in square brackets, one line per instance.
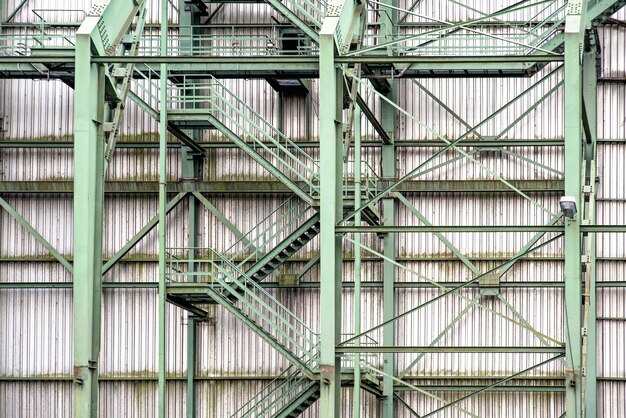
[361, 52]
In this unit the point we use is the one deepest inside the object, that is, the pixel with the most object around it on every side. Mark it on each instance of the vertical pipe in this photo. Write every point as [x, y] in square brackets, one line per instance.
[331, 167]
[357, 262]
[162, 214]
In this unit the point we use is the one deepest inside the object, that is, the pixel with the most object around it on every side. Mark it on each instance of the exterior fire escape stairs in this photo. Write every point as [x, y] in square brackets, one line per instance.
[232, 278]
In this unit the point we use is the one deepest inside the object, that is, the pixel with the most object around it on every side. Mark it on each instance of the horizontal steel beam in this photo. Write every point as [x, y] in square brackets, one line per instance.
[293, 66]
[475, 228]
[311, 61]
[445, 350]
[315, 144]
[472, 388]
[306, 285]
[274, 186]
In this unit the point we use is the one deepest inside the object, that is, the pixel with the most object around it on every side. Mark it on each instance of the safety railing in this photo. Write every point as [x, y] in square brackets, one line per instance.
[348, 361]
[543, 21]
[285, 388]
[266, 234]
[239, 290]
[369, 180]
[259, 134]
[24, 40]
[312, 11]
[189, 40]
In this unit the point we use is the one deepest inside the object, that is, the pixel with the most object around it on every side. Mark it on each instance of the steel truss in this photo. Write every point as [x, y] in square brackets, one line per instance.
[353, 57]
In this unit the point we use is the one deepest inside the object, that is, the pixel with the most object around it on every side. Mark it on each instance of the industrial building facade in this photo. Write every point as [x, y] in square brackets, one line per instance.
[282, 208]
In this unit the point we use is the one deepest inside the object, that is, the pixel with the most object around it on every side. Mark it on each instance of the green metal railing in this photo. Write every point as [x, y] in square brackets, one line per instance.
[190, 40]
[225, 107]
[274, 396]
[369, 180]
[312, 11]
[23, 39]
[473, 38]
[233, 287]
[268, 232]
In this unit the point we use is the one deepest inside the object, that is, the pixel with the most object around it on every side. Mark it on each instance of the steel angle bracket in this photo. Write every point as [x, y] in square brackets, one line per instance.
[343, 20]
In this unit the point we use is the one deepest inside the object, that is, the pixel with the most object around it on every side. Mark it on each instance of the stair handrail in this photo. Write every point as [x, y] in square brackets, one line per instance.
[247, 236]
[261, 290]
[269, 125]
[287, 377]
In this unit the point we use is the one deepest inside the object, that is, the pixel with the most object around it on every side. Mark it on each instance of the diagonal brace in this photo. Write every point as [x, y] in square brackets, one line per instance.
[141, 234]
[28, 227]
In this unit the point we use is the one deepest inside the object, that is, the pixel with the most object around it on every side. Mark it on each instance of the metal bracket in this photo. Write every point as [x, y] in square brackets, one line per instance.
[489, 285]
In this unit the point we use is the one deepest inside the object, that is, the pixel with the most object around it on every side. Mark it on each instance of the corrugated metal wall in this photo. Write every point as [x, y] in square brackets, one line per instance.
[36, 324]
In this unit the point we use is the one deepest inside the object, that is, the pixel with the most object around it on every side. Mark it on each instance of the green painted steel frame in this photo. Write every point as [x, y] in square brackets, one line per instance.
[89, 163]
[89, 70]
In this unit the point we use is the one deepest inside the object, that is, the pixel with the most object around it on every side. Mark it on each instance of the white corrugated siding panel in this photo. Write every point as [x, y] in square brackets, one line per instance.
[35, 399]
[441, 209]
[484, 164]
[138, 399]
[613, 38]
[462, 11]
[474, 100]
[51, 217]
[612, 111]
[487, 405]
[612, 399]
[610, 170]
[37, 332]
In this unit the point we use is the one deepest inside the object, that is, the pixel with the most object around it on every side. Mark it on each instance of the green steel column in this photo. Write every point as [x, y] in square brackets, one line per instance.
[191, 366]
[574, 32]
[357, 262]
[88, 219]
[162, 215]
[188, 20]
[389, 158]
[331, 167]
[590, 94]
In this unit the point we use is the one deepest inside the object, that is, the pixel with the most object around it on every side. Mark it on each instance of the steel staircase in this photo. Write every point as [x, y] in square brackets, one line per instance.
[222, 109]
[287, 396]
[291, 393]
[254, 306]
[306, 15]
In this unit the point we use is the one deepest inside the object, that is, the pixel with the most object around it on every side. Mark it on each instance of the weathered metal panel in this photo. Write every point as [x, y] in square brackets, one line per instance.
[491, 405]
[35, 399]
[612, 184]
[474, 100]
[36, 333]
[612, 399]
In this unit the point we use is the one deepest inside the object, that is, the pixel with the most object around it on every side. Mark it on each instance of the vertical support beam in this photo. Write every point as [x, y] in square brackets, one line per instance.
[191, 366]
[162, 308]
[357, 263]
[389, 158]
[88, 220]
[189, 18]
[574, 35]
[331, 167]
[590, 94]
